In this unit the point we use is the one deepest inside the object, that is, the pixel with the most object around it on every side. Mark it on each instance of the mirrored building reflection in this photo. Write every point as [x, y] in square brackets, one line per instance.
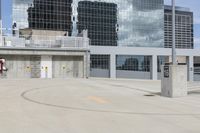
[52, 15]
[128, 38]
[133, 66]
[138, 23]
[141, 23]
[100, 19]
[184, 28]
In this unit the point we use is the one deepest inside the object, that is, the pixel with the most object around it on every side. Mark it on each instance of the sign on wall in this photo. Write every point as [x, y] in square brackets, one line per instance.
[166, 71]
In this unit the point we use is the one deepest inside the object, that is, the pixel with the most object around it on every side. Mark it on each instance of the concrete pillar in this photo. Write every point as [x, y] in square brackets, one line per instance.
[46, 66]
[174, 81]
[154, 71]
[85, 39]
[190, 62]
[86, 65]
[112, 66]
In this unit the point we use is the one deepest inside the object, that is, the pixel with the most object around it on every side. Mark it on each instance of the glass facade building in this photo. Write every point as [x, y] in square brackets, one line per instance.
[134, 66]
[100, 62]
[184, 28]
[161, 60]
[145, 24]
[51, 15]
[100, 18]
[138, 23]
[100, 66]
[127, 23]
[43, 15]
[134, 63]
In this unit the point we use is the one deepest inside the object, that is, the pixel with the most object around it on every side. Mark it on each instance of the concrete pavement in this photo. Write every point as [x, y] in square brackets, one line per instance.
[95, 106]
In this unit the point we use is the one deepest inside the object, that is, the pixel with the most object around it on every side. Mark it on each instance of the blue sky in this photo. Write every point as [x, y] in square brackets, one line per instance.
[192, 4]
[6, 13]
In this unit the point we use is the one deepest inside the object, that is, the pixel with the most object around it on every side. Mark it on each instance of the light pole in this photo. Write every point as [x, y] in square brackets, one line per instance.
[174, 76]
[173, 33]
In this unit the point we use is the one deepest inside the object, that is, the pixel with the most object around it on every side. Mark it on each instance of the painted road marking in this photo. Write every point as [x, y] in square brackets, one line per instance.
[97, 99]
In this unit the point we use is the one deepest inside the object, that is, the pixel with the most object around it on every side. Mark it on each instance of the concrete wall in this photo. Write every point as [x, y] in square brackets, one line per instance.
[133, 74]
[35, 66]
[18, 66]
[27, 66]
[180, 59]
[102, 73]
[67, 66]
[120, 74]
[41, 34]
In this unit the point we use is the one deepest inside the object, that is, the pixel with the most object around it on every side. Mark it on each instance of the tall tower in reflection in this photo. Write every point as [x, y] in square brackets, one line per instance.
[100, 19]
[184, 28]
[148, 23]
[55, 15]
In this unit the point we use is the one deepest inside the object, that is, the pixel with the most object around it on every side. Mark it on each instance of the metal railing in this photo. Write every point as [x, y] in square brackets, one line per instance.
[45, 41]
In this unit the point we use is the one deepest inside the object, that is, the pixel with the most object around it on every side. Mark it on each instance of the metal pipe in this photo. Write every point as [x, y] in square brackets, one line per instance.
[173, 33]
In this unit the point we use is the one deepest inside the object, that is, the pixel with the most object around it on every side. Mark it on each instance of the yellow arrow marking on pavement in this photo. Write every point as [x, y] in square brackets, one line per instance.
[97, 99]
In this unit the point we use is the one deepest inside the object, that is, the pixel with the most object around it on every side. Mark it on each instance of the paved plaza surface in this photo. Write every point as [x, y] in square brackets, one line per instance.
[95, 106]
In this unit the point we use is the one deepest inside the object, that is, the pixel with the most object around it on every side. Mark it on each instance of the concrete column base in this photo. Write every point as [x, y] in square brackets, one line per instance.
[113, 66]
[174, 81]
[154, 71]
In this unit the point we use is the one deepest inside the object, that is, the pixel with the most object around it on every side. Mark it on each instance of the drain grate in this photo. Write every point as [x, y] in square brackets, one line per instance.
[149, 95]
